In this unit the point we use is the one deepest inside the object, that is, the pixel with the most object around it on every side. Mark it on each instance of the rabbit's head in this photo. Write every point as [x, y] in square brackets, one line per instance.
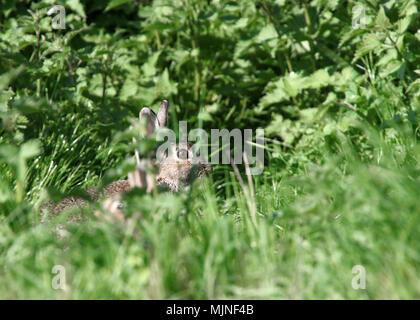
[177, 166]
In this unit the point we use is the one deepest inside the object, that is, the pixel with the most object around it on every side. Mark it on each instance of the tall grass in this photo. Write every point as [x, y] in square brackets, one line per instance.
[341, 181]
[312, 228]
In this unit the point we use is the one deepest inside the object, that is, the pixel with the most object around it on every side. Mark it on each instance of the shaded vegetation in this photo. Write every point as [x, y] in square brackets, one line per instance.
[339, 106]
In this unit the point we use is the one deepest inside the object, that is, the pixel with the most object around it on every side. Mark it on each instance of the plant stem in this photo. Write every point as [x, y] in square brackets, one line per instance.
[104, 76]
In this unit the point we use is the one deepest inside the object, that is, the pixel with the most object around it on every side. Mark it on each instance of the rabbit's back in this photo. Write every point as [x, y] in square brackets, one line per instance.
[177, 168]
[113, 188]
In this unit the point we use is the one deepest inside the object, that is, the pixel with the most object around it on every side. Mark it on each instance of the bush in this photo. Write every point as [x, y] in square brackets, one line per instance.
[339, 106]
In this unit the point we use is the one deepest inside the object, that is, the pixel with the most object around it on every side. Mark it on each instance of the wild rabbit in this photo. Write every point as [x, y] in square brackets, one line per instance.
[176, 169]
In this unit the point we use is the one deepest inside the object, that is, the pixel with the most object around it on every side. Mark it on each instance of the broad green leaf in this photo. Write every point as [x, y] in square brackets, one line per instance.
[414, 86]
[77, 6]
[165, 87]
[149, 68]
[391, 67]
[370, 43]
[382, 20]
[9, 153]
[30, 149]
[115, 3]
[403, 24]
[266, 33]
[318, 79]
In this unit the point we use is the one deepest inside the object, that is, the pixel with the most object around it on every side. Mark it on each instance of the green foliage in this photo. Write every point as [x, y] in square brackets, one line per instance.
[340, 108]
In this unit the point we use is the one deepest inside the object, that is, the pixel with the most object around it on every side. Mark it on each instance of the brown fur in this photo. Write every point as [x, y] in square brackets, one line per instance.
[174, 172]
[93, 194]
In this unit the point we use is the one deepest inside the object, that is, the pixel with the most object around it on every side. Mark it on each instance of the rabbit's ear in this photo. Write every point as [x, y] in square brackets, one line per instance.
[162, 115]
[137, 178]
[151, 120]
[141, 178]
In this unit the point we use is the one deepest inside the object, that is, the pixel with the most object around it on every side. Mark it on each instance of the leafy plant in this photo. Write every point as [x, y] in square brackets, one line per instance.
[339, 107]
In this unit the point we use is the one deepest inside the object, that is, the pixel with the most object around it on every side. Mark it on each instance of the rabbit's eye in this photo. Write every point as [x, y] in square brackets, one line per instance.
[182, 154]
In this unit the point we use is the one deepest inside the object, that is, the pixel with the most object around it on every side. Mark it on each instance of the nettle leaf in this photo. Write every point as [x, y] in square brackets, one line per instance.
[266, 33]
[5, 96]
[292, 85]
[275, 95]
[159, 15]
[146, 94]
[389, 56]
[205, 116]
[30, 149]
[393, 66]
[28, 105]
[370, 43]
[382, 20]
[149, 68]
[349, 35]
[77, 6]
[129, 89]
[165, 87]
[115, 3]
[308, 115]
[241, 23]
[408, 8]
[414, 86]
[352, 93]
[274, 125]
[9, 153]
[413, 117]
[241, 47]
[403, 24]
[180, 56]
[318, 79]
[284, 128]
[400, 72]
[340, 80]
[330, 128]
[6, 78]
[400, 43]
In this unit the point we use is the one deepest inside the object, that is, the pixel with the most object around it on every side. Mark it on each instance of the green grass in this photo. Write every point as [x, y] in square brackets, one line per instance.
[341, 179]
[312, 228]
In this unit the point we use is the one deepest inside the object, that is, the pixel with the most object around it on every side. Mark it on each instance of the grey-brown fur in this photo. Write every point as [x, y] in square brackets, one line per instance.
[92, 193]
[174, 172]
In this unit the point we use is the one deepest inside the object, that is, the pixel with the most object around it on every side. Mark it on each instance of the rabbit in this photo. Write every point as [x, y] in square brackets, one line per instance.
[177, 168]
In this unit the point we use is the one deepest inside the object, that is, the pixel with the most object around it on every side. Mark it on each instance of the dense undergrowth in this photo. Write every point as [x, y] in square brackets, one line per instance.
[339, 106]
